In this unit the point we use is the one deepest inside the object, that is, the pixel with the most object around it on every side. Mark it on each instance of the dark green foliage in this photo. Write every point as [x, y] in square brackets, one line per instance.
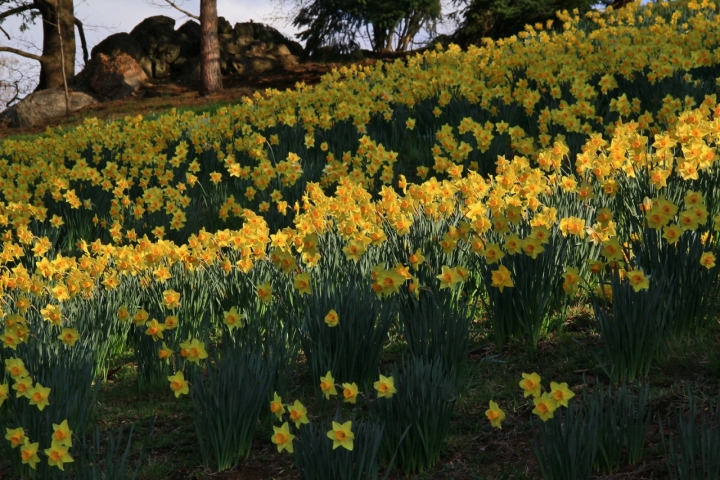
[565, 445]
[228, 401]
[624, 419]
[316, 459]
[424, 402]
[695, 455]
[503, 18]
[634, 326]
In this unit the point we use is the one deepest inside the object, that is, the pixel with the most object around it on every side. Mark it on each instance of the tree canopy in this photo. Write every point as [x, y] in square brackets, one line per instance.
[390, 26]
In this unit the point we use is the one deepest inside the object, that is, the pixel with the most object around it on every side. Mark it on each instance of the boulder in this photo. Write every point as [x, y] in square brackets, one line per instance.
[255, 65]
[224, 27]
[160, 41]
[279, 51]
[295, 48]
[243, 29]
[118, 43]
[289, 60]
[190, 72]
[191, 30]
[116, 77]
[42, 106]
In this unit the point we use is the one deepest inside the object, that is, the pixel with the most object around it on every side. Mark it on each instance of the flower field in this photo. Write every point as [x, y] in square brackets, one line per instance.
[360, 276]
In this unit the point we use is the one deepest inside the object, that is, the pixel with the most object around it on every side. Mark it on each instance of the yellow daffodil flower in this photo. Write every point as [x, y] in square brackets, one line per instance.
[298, 413]
[232, 319]
[332, 318]
[283, 438]
[342, 435]
[530, 384]
[495, 415]
[58, 455]
[178, 384]
[545, 406]
[385, 386]
[39, 396]
[16, 436]
[350, 392]
[62, 434]
[327, 385]
[28, 453]
[561, 393]
[276, 406]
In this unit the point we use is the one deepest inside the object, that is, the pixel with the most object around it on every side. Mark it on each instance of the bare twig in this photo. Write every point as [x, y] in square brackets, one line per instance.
[177, 7]
[16, 10]
[22, 53]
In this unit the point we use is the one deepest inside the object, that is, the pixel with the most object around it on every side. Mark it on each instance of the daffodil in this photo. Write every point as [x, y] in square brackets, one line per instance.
[171, 299]
[385, 386]
[276, 406]
[265, 292]
[123, 313]
[448, 278]
[707, 260]
[283, 438]
[171, 322]
[22, 387]
[332, 318]
[193, 350]
[39, 396]
[298, 413]
[572, 278]
[155, 330]
[342, 435]
[545, 406]
[16, 436]
[495, 415]
[561, 393]
[62, 434]
[165, 353]
[350, 392]
[638, 280]
[28, 453]
[301, 282]
[4, 392]
[502, 278]
[58, 455]
[16, 368]
[178, 384]
[232, 319]
[530, 384]
[69, 336]
[327, 385]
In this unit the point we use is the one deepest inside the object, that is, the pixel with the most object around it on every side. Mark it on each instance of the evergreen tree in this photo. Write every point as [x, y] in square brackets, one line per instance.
[391, 26]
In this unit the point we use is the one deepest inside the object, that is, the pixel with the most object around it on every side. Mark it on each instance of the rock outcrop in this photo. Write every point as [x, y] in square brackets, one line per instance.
[40, 107]
[164, 52]
[117, 76]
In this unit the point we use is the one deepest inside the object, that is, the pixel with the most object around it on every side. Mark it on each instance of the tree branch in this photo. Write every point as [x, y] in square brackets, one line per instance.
[16, 10]
[22, 53]
[6, 34]
[83, 42]
[172, 4]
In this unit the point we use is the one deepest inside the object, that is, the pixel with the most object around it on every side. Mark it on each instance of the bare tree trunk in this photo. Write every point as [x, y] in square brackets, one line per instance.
[51, 65]
[210, 75]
